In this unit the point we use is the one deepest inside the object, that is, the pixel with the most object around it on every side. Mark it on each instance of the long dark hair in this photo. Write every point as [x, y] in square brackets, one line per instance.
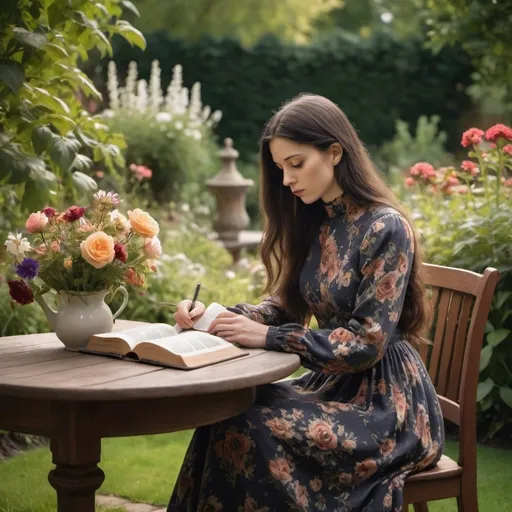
[291, 225]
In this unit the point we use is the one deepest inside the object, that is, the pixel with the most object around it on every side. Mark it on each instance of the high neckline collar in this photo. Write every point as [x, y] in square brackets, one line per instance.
[337, 207]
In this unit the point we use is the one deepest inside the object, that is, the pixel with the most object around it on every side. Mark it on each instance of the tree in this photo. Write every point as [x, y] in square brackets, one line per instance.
[48, 141]
[249, 20]
[482, 27]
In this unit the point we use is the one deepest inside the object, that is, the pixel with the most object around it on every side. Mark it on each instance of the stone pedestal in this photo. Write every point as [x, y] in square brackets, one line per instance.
[230, 188]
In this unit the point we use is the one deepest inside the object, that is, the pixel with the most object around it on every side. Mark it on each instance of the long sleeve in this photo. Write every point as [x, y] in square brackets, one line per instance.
[268, 312]
[385, 258]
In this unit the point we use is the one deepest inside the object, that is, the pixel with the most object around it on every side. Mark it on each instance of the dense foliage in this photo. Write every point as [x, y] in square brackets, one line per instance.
[465, 217]
[48, 141]
[375, 81]
[169, 132]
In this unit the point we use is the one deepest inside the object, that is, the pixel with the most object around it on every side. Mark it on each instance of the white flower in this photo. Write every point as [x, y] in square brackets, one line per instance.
[178, 125]
[197, 269]
[230, 274]
[217, 116]
[163, 117]
[196, 134]
[120, 221]
[17, 245]
[152, 248]
[185, 207]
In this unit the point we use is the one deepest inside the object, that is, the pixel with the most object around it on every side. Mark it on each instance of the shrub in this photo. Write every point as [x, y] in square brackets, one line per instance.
[172, 134]
[375, 81]
[406, 148]
[48, 141]
[465, 218]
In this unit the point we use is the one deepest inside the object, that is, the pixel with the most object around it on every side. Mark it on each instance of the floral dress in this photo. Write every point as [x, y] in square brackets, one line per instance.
[344, 436]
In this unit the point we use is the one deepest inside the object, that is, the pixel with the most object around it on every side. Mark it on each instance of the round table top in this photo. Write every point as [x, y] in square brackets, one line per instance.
[38, 366]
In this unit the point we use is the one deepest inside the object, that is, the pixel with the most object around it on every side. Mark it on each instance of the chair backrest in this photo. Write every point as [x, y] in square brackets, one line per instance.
[461, 301]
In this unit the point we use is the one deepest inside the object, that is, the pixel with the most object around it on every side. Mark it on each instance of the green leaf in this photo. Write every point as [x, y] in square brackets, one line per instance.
[56, 51]
[485, 357]
[496, 337]
[84, 182]
[43, 177]
[29, 39]
[506, 396]
[32, 198]
[12, 74]
[63, 151]
[131, 7]
[501, 298]
[82, 163]
[61, 123]
[41, 137]
[131, 34]
[87, 85]
[484, 388]
[50, 101]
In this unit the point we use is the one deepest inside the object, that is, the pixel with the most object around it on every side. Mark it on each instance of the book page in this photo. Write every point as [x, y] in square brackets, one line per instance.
[135, 335]
[191, 342]
[203, 323]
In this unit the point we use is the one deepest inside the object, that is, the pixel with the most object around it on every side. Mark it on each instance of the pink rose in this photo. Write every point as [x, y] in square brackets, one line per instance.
[322, 435]
[470, 167]
[152, 248]
[280, 428]
[472, 136]
[36, 222]
[497, 131]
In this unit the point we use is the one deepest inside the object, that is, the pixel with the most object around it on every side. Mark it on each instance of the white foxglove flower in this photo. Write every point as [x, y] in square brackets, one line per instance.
[17, 245]
[163, 117]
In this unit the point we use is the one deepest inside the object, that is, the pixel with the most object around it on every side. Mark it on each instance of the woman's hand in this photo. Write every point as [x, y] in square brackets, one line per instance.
[239, 329]
[185, 318]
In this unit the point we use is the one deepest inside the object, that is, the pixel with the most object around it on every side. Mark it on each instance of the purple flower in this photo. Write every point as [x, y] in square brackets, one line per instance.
[28, 268]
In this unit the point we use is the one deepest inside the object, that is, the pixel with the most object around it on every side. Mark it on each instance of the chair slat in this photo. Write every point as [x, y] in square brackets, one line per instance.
[452, 320]
[442, 314]
[453, 388]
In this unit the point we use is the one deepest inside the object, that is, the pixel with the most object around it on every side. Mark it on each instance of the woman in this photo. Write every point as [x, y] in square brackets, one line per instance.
[336, 245]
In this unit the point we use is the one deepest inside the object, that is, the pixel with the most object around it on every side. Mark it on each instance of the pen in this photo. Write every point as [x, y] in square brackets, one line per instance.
[196, 293]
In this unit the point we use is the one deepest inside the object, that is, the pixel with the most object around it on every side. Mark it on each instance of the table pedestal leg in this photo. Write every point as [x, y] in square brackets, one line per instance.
[76, 486]
[76, 451]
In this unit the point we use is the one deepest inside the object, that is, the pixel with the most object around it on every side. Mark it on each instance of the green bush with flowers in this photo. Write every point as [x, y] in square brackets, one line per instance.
[82, 249]
[171, 134]
[464, 216]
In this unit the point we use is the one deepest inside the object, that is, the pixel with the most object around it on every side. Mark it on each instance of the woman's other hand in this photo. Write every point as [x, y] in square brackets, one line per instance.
[239, 329]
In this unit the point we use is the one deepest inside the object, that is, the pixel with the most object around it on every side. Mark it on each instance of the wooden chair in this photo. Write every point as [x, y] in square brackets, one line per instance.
[461, 300]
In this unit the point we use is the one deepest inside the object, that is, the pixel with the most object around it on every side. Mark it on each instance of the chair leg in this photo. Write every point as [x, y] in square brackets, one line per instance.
[420, 507]
[467, 502]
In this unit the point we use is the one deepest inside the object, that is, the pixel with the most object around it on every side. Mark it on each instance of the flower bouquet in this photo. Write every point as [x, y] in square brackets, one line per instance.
[82, 254]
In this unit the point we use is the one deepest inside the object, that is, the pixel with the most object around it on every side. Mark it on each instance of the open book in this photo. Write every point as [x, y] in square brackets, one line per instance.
[165, 345]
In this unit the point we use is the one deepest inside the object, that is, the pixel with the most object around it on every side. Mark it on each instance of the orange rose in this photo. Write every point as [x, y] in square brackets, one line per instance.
[364, 470]
[387, 446]
[98, 249]
[281, 428]
[143, 224]
[280, 469]
[386, 287]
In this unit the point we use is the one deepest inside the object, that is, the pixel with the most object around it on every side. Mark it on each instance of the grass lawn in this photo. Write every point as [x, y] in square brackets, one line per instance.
[144, 469]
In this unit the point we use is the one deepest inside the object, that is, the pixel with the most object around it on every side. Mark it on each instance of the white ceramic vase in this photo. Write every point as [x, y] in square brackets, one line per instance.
[80, 315]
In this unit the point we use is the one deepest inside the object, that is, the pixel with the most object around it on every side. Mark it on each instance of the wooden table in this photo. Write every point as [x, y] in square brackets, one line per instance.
[77, 399]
